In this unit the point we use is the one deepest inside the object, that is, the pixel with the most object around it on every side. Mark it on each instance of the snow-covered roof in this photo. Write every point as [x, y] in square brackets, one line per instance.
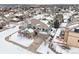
[35, 22]
[38, 17]
[63, 24]
[22, 41]
[30, 30]
[45, 21]
[15, 19]
[73, 26]
[77, 28]
[18, 14]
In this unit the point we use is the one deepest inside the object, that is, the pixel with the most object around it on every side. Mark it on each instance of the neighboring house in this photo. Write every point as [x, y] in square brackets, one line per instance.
[71, 36]
[37, 24]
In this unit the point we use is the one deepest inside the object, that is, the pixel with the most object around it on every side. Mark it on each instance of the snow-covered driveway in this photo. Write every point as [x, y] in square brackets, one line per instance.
[6, 47]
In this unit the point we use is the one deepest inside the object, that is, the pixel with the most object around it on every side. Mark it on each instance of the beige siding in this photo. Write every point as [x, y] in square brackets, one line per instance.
[73, 39]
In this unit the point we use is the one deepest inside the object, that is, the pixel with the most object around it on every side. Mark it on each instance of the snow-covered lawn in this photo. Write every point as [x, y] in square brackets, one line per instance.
[74, 50]
[21, 40]
[9, 48]
[44, 49]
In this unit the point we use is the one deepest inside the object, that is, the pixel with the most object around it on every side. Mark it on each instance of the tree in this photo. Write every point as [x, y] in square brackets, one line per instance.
[56, 24]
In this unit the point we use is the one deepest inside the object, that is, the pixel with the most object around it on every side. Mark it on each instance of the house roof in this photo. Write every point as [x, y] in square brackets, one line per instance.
[38, 23]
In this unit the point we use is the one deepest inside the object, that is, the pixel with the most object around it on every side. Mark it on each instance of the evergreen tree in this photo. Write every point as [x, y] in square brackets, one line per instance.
[56, 24]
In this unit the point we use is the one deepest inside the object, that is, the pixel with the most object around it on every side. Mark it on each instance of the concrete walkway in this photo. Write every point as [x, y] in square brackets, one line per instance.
[37, 42]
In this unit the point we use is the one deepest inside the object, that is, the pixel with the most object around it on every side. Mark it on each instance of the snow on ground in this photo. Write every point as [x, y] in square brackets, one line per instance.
[39, 16]
[59, 49]
[74, 50]
[7, 47]
[63, 25]
[56, 45]
[73, 26]
[21, 40]
[57, 34]
[53, 32]
[44, 49]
